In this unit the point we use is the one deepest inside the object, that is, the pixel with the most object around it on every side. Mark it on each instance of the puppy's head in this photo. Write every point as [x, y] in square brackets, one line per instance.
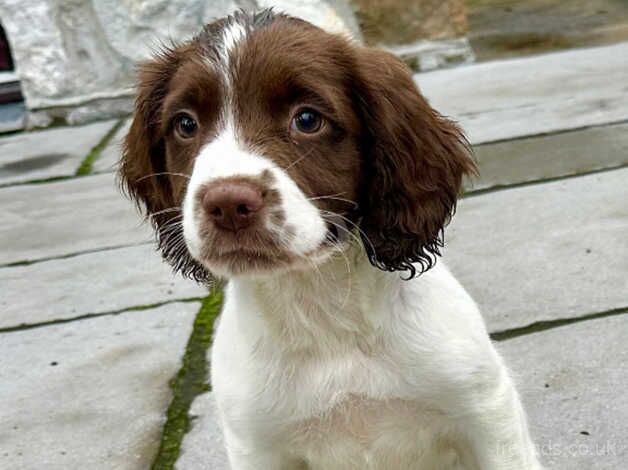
[266, 144]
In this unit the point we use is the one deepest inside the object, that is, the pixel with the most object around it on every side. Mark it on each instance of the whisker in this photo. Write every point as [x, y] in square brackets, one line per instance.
[305, 155]
[170, 209]
[332, 196]
[365, 237]
[162, 173]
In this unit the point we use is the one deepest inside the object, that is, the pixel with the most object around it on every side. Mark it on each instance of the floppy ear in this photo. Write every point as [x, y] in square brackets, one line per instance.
[414, 163]
[143, 166]
[143, 151]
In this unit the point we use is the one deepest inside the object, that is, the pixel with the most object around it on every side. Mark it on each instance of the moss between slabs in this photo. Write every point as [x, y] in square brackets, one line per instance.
[550, 324]
[191, 381]
[85, 168]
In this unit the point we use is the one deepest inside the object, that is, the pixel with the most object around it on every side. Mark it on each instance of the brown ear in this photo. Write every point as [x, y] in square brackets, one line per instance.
[414, 163]
[143, 165]
[143, 152]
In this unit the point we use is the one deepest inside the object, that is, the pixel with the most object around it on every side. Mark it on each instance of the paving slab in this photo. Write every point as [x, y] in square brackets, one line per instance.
[48, 154]
[551, 156]
[91, 283]
[203, 447]
[546, 251]
[573, 381]
[108, 159]
[91, 393]
[534, 95]
[59, 218]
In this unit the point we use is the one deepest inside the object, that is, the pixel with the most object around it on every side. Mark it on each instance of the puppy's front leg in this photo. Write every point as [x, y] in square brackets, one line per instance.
[497, 430]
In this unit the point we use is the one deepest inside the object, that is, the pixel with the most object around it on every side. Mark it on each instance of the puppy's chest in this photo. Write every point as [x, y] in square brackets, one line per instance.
[366, 433]
[357, 418]
[354, 406]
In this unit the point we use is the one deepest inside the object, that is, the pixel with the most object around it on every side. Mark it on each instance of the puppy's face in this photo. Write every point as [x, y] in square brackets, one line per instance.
[267, 144]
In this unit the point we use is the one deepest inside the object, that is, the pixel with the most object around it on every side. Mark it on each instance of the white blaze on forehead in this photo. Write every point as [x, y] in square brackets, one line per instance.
[233, 34]
[303, 229]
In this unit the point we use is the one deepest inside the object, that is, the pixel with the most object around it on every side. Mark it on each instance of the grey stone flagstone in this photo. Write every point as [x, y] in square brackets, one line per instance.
[572, 380]
[90, 394]
[91, 283]
[542, 252]
[533, 95]
[46, 154]
[203, 447]
[64, 217]
[550, 156]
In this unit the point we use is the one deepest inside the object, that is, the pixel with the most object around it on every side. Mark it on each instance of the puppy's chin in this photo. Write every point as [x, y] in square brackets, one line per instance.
[246, 263]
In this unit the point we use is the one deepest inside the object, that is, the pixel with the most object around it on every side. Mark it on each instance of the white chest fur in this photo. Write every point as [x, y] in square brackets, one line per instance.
[381, 374]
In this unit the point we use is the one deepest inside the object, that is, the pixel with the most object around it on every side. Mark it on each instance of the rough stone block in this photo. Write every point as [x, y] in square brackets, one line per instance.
[87, 50]
[396, 22]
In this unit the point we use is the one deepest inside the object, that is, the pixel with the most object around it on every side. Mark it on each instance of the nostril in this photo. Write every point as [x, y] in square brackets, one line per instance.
[216, 212]
[243, 209]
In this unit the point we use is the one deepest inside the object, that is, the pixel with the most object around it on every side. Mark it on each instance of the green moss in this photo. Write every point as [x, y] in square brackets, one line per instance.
[191, 381]
[85, 168]
[550, 324]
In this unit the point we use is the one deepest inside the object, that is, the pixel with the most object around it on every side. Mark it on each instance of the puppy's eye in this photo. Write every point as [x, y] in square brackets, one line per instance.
[185, 126]
[307, 121]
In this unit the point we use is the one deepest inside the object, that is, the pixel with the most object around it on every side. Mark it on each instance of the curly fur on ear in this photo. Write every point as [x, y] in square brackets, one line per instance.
[414, 163]
[142, 170]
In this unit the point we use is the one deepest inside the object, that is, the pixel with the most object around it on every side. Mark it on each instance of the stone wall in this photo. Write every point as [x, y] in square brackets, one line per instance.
[77, 63]
[76, 58]
[428, 34]
[396, 22]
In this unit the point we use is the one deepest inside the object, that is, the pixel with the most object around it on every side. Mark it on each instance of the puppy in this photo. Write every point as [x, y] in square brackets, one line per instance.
[312, 174]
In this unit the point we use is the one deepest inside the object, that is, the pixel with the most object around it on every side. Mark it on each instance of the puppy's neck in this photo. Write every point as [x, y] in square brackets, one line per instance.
[327, 310]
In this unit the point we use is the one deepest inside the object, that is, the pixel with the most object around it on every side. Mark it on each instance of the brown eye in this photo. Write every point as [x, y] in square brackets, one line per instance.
[185, 126]
[307, 121]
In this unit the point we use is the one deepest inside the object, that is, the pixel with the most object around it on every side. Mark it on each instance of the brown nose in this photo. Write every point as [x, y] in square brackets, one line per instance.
[232, 205]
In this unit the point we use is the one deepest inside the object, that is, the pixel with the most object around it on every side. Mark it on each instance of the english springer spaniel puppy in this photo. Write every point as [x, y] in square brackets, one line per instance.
[310, 173]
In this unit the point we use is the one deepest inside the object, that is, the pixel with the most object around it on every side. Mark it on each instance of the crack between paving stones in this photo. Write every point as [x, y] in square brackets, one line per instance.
[523, 184]
[85, 168]
[545, 325]
[16, 264]
[88, 316]
[190, 381]
[536, 135]
[51, 179]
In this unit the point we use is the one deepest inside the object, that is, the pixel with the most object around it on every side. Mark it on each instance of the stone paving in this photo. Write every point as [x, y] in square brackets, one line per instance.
[100, 342]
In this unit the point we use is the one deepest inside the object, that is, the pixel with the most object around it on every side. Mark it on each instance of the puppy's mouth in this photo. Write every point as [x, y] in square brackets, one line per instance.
[262, 254]
[243, 262]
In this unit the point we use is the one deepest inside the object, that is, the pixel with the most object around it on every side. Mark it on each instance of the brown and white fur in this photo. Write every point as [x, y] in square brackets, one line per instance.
[311, 173]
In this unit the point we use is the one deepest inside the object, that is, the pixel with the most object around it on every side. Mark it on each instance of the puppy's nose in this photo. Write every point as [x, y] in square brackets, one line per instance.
[232, 205]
